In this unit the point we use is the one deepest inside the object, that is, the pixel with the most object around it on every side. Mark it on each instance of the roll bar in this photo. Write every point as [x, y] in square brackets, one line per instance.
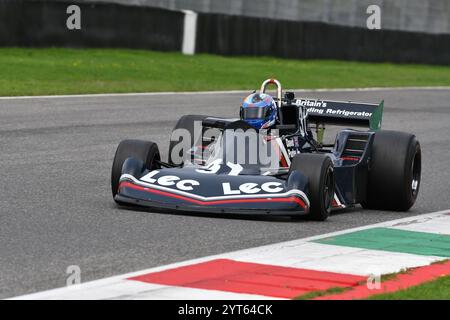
[277, 84]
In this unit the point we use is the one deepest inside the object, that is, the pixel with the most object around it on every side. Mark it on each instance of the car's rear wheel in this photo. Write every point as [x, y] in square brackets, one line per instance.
[394, 171]
[186, 122]
[145, 151]
[319, 170]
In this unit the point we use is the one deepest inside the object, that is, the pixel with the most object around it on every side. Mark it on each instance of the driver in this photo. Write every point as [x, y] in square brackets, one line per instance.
[260, 111]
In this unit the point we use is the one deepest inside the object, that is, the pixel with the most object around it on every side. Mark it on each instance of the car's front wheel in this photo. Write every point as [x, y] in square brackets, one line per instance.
[145, 151]
[319, 170]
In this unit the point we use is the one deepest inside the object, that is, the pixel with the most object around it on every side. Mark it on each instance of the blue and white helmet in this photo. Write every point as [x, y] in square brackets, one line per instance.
[259, 110]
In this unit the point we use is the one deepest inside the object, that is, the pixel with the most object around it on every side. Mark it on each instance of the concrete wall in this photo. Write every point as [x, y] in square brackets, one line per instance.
[42, 23]
[113, 24]
[430, 16]
[248, 36]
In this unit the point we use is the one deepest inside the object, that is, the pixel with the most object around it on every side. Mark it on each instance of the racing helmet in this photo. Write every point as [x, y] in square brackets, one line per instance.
[259, 110]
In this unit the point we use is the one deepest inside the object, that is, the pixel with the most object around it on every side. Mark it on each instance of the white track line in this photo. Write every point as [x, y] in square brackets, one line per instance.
[336, 258]
[143, 94]
[111, 282]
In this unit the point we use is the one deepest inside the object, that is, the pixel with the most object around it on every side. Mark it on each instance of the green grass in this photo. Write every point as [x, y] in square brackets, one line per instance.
[337, 290]
[438, 289]
[315, 294]
[71, 71]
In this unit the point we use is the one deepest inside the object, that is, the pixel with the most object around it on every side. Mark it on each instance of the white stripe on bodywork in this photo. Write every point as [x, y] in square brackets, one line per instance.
[338, 202]
[283, 151]
[293, 192]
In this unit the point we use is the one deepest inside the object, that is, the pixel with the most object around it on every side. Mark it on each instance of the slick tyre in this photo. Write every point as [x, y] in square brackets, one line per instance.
[319, 170]
[394, 171]
[146, 151]
[186, 122]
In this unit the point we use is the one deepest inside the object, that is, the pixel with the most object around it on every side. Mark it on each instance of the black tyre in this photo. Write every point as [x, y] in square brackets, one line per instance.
[185, 122]
[319, 170]
[146, 151]
[394, 171]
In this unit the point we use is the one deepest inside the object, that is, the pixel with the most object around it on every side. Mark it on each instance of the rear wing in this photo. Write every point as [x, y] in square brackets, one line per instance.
[343, 113]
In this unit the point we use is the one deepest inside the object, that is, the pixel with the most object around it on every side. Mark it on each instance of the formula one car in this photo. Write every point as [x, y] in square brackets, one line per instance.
[218, 165]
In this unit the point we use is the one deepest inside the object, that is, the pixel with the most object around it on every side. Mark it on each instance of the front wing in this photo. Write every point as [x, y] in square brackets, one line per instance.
[135, 192]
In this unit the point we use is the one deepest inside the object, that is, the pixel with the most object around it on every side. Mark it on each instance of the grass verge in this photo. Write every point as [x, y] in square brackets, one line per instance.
[75, 71]
[316, 294]
[438, 289]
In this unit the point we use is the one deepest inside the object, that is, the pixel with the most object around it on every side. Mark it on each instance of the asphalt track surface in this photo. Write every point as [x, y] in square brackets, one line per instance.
[56, 208]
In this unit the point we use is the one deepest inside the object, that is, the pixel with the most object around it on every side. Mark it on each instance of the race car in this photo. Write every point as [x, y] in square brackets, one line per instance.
[227, 166]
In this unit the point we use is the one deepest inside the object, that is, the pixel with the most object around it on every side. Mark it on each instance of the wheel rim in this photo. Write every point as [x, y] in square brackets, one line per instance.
[328, 191]
[415, 174]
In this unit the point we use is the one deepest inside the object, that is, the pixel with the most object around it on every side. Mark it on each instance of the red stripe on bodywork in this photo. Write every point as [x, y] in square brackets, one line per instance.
[250, 278]
[279, 153]
[350, 158]
[214, 202]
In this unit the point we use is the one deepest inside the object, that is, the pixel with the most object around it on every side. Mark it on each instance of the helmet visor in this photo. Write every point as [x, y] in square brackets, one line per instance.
[255, 112]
